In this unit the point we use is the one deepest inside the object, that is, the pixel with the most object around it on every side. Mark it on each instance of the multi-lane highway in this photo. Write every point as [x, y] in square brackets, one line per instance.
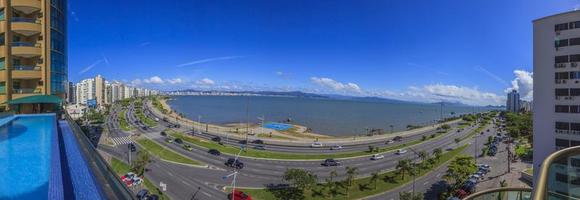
[259, 172]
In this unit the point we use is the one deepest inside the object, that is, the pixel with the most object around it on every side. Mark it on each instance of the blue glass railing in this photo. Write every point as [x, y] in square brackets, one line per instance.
[26, 68]
[22, 44]
[24, 91]
[23, 19]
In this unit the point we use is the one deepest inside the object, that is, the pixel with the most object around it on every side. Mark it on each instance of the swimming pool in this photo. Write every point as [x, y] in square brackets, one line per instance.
[29, 157]
[277, 126]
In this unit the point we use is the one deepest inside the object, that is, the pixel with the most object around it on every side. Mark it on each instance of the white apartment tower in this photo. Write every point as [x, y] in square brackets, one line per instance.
[513, 101]
[556, 104]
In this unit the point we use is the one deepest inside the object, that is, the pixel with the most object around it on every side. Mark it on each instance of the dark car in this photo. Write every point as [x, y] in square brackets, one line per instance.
[398, 138]
[243, 142]
[142, 194]
[178, 141]
[258, 142]
[216, 139]
[153, 197]
[330, 162]
[144, 127]
[132, 147]
[214, 152]
[163, 133]
[234, 163]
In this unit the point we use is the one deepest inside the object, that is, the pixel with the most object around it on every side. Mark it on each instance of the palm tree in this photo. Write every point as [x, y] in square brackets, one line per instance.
[437, 153]
[403, 166]
[423, 155]
[374, 177]
[333, 174]
[351, 173]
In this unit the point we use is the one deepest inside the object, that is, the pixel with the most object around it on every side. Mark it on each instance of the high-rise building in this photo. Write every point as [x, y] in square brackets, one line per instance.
[100, 90]
[556, 110]
[71, 93]
[33, 54]
[513, 101]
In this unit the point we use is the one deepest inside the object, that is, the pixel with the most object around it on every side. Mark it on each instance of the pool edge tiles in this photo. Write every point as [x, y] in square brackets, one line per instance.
[55, 182]
[84, 184]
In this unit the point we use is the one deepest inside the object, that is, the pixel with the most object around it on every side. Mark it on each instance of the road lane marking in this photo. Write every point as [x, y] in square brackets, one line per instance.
[170, 174]
[206, 194]
[426, 183]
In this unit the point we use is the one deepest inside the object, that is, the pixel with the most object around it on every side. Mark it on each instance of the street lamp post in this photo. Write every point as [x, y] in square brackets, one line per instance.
[414, 168]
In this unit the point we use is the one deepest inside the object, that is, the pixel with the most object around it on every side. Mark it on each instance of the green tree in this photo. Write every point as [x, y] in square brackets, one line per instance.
[437, 153]
[141, 162]
[300, 179]
[410, 196]
[445, 127]
[459, 169]
[404, 166]
[350, 176]
[374, 178]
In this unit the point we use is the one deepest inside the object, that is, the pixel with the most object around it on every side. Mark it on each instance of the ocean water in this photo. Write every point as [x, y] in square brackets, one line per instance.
[326, 116]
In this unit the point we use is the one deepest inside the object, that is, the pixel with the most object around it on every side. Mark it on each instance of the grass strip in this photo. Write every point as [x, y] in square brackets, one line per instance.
[249, 152]
[121, 168]
[164, 153]
[362, 187]
[123, 121]
[148, 121]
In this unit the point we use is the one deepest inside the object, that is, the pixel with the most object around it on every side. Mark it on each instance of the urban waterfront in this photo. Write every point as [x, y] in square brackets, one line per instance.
[326, 116]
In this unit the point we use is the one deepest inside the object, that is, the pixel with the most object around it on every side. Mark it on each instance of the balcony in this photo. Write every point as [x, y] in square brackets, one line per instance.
[26, 72]
[25, 49]
[24, 92]
[26, 6]
[503, 193]
[25, 26]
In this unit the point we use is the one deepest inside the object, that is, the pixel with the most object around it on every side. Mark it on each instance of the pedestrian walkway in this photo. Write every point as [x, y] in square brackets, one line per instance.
[121, 140]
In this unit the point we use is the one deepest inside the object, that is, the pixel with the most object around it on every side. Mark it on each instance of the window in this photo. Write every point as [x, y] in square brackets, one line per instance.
[562, 125]
[561, 75]
[562, 92]
[574, 41]
[575, 75]
[561, 43]
[561, 27]
[574, 91]
[562, 109]
[575, 58]
[575, 109]
[562, 143]
[575, 126]
[561, 59]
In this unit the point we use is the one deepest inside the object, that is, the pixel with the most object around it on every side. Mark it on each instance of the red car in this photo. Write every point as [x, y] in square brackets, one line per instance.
[461, 194]
[239, 195]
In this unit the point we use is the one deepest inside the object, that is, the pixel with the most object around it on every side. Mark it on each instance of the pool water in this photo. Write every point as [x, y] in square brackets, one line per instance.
[25, 157]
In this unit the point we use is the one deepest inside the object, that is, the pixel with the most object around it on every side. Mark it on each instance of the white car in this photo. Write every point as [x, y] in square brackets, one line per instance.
[316, 145]
[401, 151]
[157, 119]
[390, 142]
[336, 147]
[377, 157]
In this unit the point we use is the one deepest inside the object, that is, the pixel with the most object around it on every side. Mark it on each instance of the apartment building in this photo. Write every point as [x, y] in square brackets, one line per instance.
[513, 103]
[556, 106]
[32, 54]
[100, 90]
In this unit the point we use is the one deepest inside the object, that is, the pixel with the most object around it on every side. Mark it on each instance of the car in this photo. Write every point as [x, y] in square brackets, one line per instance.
[487, 130]
[238, 195]
[243, 142]
[142, 194]
[178, 141]
[128, 176]
[258, 142]
[336, 147]
[169, 140]
[259, 147]
[483, 166]
[153, 197]
[157, 119]
[461, 194]
[390, 142]
[216, 139]
[136, 181]
[398, 138]
[132, 147]
[214, 152]
[401, 151]
[187, 147]
[234, 163]
[377, 157]
[163, 133]
[330, 162]
[316, 145]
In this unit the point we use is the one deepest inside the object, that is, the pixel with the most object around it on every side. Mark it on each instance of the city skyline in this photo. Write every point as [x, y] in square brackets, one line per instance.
[341, 49]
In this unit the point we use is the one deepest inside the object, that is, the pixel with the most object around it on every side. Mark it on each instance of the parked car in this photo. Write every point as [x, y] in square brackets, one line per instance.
[214, 152]
[401, 151]
[330, 162]
[132, 147]
[216, 139]
[153, 197]
[461, 194]
[336, 147]
[258, 142]
[187, 147]
[234, 163]
[157, 119]
[259, 147]
[238, 195]
[377, 157]
[128, 176]
[316, 145]
[142, 194]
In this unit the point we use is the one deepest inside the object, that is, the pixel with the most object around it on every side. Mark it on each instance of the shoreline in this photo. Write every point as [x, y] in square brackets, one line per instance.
[292, 134]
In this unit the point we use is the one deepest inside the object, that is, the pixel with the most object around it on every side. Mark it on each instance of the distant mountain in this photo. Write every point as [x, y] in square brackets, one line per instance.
[448, 103]
[265, 93]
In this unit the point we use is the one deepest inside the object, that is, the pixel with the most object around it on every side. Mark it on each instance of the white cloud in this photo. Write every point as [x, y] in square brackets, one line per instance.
[136, 82]
[205, 81]
[154, 80]
[195, 62]
[335, 85]
[448, 93]
[174, 81]
[523, 83]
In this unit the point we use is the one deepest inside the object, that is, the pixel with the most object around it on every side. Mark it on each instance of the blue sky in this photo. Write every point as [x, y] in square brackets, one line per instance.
[452, 50]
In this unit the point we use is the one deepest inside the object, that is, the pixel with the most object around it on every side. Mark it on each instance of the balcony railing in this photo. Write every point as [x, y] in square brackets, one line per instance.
[23, 44]
[26, 68]
[502, 193]
[24, 19]
[25, 91]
